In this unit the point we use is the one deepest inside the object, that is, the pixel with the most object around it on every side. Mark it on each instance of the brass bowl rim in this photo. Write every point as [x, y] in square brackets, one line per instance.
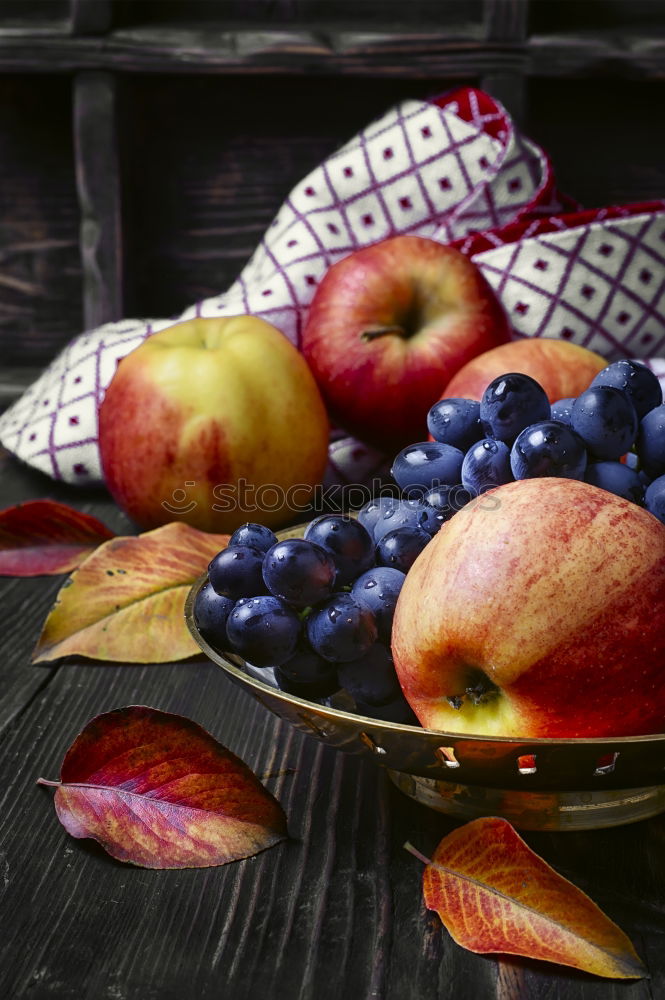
[342, 716]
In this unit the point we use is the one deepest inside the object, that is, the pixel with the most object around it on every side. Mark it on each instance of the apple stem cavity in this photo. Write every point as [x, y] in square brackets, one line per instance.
[374, 332]
[479, 692]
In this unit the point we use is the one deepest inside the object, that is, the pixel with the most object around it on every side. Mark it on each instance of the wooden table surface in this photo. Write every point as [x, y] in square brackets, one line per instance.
[334, 912]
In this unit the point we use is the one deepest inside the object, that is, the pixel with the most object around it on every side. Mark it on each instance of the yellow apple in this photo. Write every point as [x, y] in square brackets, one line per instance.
[214, 422]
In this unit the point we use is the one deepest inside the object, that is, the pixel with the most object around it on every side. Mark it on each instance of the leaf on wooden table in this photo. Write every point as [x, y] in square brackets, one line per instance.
[157, 790]
[494, 894]
[44, 537]
[126, 601]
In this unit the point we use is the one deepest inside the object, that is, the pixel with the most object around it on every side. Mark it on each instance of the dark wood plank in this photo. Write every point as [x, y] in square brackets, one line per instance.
[196, 209]
[510, 90]
[24, 609]
[197, 216]
[506, 21]
[19, 482]
[24, 603]
[90, 17]
[335, 912]
[98, 185]
[627, 54]
[552, 16]
[596, 160]
[34, 15]
[404, 54]
[271, 12]
[276, 925]
[40, 271]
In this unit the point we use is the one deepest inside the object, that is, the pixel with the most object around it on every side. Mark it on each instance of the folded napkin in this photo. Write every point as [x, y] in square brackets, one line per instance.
[456, 170]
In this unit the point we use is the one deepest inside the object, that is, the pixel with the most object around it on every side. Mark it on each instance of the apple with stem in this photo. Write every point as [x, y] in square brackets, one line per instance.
[537, 611]
[387, 329]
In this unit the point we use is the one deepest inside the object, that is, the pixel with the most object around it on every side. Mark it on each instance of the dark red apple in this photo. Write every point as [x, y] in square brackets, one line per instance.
[388, 328]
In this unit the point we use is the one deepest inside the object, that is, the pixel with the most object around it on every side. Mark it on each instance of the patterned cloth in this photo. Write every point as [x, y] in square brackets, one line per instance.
[595, 278]
[455, 170]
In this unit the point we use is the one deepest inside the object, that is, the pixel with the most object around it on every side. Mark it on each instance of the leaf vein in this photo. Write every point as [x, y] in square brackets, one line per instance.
[530, 910]
[109, 789]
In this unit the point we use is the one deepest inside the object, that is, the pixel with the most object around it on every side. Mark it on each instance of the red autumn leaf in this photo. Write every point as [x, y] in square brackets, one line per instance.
[494, 894]
[157, 790]
[126, 601]
[43, 538]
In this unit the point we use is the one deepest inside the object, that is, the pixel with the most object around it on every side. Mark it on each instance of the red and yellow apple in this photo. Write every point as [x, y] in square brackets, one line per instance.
[563, 369]
[389, 326]
[214, 422]
[539, 611]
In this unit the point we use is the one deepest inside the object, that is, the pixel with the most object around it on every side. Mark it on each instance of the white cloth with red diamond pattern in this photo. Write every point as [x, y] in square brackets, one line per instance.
[454, 169]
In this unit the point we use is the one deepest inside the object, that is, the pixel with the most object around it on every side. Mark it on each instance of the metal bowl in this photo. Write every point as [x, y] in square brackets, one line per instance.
[538, 784]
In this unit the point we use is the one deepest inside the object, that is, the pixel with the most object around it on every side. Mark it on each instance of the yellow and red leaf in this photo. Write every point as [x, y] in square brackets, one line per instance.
[44, 538]
[157, 790]
[494, 894]
[126, 601]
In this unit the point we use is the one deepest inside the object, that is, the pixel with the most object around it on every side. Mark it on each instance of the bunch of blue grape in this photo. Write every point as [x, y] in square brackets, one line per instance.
[612, 435]
[316, 610]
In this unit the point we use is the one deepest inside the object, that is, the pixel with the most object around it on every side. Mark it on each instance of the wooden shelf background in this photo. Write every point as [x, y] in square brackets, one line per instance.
[146, 145]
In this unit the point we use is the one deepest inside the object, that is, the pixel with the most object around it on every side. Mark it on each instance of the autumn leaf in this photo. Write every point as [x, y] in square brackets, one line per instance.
[126, 601]
[157, 790]
[494, 894]
[44, 538]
